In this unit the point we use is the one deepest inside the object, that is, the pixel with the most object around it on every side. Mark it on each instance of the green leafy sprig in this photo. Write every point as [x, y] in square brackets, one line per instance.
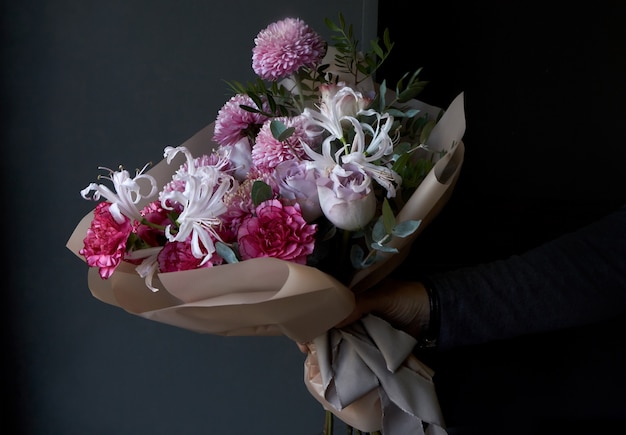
[360, 65]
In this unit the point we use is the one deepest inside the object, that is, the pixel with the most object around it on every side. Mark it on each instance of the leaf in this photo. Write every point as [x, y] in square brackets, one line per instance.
[383, 248]
[260, 192]
[406, 228]
[356, 256]
[378, 232]
[280, 131]
[389, 220]
[426, 130]
[226, 252]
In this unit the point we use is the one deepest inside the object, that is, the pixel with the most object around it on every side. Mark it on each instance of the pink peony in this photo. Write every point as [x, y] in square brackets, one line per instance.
[268, 152]
[234, 123]
[177, 256]
[105, 243]
[284, 47]
[239, 204]
[277, 231]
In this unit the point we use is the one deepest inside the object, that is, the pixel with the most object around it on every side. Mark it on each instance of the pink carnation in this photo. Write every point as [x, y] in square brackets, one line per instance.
[284, 47]
[268, 152]
[105, 243]
[234, 123]
[177, 256]
[277, 231]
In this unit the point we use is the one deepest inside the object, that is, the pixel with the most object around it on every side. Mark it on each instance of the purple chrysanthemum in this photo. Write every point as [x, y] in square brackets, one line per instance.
[268, 152]
[233, 122]
[285, 46]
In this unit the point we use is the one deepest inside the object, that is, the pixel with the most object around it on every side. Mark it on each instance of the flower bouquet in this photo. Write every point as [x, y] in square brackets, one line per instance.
[310, 185]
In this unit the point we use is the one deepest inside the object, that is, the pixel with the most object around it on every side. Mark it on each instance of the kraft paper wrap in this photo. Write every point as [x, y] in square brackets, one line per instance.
[267, 296]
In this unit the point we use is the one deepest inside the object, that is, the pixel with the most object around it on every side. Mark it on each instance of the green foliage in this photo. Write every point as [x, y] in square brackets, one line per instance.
[382, 232]
[280, 132]
[226, 252]
[260, 192]
[360, 65]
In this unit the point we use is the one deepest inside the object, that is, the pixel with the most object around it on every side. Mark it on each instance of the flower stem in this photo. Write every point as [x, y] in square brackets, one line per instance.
[328, 423]
[298, 81]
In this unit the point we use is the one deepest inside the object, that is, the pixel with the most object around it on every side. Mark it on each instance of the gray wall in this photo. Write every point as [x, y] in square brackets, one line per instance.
[90, 84]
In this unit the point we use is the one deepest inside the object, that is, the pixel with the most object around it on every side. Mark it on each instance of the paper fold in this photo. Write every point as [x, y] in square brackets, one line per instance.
[268, 296]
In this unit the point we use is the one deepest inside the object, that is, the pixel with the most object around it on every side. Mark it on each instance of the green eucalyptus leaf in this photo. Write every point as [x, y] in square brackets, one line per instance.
[280, 131]
[383, 248]
[225, 251]
[356, 256]
[260, 192]
[378, 232]
[396, 113]
[389, 220]
[406, 228]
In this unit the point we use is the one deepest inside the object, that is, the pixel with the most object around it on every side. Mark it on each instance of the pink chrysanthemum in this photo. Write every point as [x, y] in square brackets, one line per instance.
[234, 123]
[284, 47]
[105, 242]
[268, 152]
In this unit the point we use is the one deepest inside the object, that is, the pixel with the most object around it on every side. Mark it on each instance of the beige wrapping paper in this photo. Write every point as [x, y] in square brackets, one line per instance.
[266, 296]
[270, 296]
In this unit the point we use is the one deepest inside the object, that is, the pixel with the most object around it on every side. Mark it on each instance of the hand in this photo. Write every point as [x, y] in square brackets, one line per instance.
[404, 304]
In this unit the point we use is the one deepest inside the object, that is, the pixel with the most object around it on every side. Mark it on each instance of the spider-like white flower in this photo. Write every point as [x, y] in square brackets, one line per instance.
[202, 203]
[338, 102]
[127, 192]
[370, 145]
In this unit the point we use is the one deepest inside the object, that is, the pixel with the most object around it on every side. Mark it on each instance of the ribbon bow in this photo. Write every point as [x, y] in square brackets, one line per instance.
[366, 375]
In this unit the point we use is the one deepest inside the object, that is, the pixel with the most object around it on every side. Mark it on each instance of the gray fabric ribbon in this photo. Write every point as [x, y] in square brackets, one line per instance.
[372, 355]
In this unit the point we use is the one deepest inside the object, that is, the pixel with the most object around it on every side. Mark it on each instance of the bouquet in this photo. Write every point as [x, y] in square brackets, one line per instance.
[310, 180]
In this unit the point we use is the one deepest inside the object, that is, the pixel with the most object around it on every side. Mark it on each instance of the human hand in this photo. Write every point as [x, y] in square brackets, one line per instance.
[404, 304]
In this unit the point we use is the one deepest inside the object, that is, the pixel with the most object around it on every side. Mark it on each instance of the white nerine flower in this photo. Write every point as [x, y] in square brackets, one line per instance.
[338, 102]
[127, 194]
[149, 266]
[371, 143]
[202, 202]
[365, 155]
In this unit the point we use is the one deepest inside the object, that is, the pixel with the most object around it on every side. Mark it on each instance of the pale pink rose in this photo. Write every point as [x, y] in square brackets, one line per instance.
[346, 198]
[177, 256]
[277, 231]
[239, 156]
[297, 184]
[105, 242]
[284, 47]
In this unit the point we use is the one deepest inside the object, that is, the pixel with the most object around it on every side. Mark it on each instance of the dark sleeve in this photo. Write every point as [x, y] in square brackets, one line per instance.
[573, 280]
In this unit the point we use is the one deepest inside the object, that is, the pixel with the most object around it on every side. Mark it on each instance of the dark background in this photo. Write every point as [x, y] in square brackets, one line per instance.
[545, 152]
[88, 84]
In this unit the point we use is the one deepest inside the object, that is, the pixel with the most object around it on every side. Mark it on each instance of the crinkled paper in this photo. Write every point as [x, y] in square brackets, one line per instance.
[266, 296]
